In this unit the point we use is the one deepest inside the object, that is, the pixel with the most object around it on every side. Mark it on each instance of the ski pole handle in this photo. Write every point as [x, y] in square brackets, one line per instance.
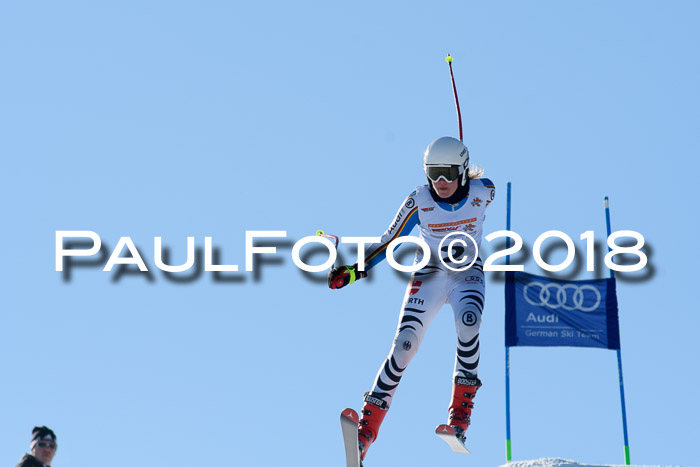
[321, 233]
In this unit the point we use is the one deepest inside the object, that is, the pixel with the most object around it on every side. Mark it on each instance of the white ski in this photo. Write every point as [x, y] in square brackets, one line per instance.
[447, 433]
[348, 422]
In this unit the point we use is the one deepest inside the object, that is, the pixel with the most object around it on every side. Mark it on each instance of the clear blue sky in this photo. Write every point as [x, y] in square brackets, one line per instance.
[179, 119]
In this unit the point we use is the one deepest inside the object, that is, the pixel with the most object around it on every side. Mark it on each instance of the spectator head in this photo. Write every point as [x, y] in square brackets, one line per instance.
[43, 444]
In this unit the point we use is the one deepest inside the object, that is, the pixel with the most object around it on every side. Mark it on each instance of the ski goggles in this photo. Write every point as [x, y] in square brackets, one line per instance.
[450, 173]
[44, 444]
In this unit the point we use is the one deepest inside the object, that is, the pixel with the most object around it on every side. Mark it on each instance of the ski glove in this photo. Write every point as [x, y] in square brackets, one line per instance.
[343, 275]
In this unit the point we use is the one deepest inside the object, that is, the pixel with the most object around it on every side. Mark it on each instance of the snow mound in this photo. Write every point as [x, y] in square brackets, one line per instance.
[549, 462]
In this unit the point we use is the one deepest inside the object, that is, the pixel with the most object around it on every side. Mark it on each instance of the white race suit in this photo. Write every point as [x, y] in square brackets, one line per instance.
[436, 284]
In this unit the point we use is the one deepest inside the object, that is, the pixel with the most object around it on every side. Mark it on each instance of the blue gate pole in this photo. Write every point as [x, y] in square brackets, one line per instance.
[508, 447]
[619, 354]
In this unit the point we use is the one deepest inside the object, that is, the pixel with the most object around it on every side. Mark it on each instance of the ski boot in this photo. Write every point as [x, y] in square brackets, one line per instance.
[373, 412]
[460, 411]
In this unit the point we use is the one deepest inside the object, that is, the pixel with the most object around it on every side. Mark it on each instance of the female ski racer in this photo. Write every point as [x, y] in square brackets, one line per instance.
[453, 202]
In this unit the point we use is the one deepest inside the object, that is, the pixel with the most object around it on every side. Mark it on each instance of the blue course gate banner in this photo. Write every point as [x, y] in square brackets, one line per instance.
[548, 312]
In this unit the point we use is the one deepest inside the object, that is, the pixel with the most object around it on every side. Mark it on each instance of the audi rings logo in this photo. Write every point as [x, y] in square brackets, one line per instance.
[568, 296]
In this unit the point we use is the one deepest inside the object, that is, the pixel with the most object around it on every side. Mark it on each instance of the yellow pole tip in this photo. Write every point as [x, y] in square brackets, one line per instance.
[448, 59]
[319, 232]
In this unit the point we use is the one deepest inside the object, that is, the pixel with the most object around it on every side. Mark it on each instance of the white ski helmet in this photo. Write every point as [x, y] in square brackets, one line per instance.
[446, 158]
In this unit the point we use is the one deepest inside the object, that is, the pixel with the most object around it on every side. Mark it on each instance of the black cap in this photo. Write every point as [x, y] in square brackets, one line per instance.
[40, 433]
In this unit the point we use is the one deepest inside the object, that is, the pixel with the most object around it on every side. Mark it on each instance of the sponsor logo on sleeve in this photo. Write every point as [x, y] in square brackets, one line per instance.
[396, 222]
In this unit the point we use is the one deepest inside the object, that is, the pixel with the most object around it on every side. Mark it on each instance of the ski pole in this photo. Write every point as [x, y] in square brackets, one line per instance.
[448, 59]
[333, 238]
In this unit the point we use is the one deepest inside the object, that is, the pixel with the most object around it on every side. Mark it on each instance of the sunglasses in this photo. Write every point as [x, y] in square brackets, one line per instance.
[45, 445]
[449, 173]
